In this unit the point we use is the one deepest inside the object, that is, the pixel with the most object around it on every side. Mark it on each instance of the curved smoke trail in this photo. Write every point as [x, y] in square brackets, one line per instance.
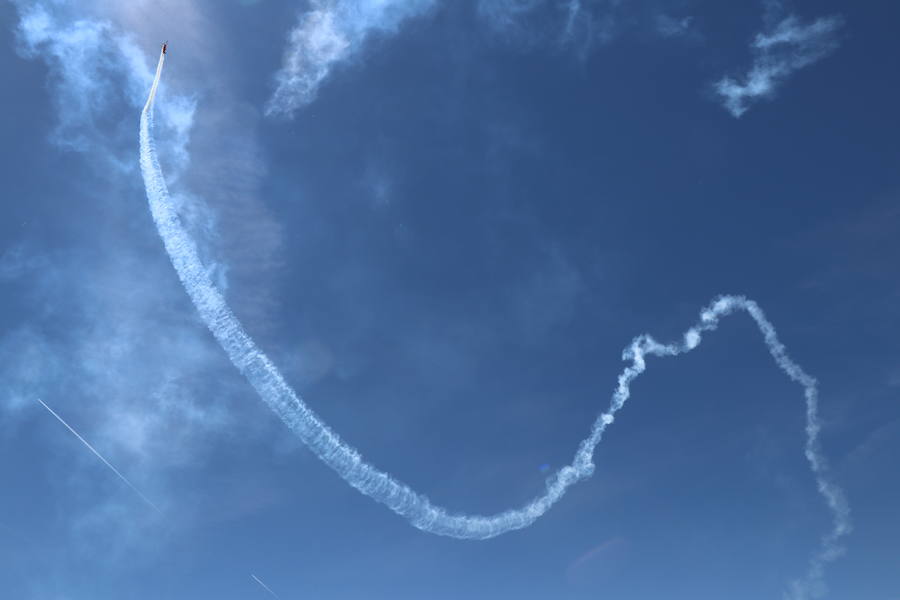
[415, 507]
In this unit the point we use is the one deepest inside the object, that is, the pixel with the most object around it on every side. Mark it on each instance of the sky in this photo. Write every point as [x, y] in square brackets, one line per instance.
[443, 222]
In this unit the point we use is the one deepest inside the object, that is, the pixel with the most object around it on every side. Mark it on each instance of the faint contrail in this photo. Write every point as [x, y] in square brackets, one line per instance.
[415, 507]
[264, 586]
[98, 455]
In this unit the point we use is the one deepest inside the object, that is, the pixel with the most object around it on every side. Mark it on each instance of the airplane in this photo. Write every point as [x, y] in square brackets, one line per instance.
[165, 45]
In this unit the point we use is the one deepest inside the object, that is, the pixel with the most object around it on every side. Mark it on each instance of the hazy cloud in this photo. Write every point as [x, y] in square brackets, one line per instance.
[577, 23]
[670, 27]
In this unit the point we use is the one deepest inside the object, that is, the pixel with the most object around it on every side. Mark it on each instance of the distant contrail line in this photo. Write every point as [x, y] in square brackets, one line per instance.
[265, 587]
[100, 456]
[347, 462]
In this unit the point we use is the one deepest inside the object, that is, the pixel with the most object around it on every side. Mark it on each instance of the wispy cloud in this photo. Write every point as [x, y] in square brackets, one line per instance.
[777, 53]
[582, 26]
[96, 71]
[333, 32]
[573, 23]
[328, 34]
[84, 345]
[136, 390]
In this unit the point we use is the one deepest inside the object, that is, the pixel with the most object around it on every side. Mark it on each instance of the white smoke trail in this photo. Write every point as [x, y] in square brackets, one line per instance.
[415, 507]
[100, 456]
[264, 586]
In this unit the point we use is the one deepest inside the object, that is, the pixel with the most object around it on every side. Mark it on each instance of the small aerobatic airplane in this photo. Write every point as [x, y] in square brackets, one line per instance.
[165, 45]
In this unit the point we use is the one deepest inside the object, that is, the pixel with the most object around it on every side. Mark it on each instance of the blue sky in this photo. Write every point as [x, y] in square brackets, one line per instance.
[443, 222]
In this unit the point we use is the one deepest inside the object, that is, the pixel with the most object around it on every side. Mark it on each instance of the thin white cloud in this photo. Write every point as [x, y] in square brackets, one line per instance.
[777, 53]
[330, 33]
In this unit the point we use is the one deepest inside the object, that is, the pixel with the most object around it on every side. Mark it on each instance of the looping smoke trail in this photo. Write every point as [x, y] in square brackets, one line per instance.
[415, 507]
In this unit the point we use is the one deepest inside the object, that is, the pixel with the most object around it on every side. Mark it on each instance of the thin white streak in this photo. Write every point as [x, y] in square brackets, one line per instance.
[265, 587]
[399, 497]
[98, 455]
